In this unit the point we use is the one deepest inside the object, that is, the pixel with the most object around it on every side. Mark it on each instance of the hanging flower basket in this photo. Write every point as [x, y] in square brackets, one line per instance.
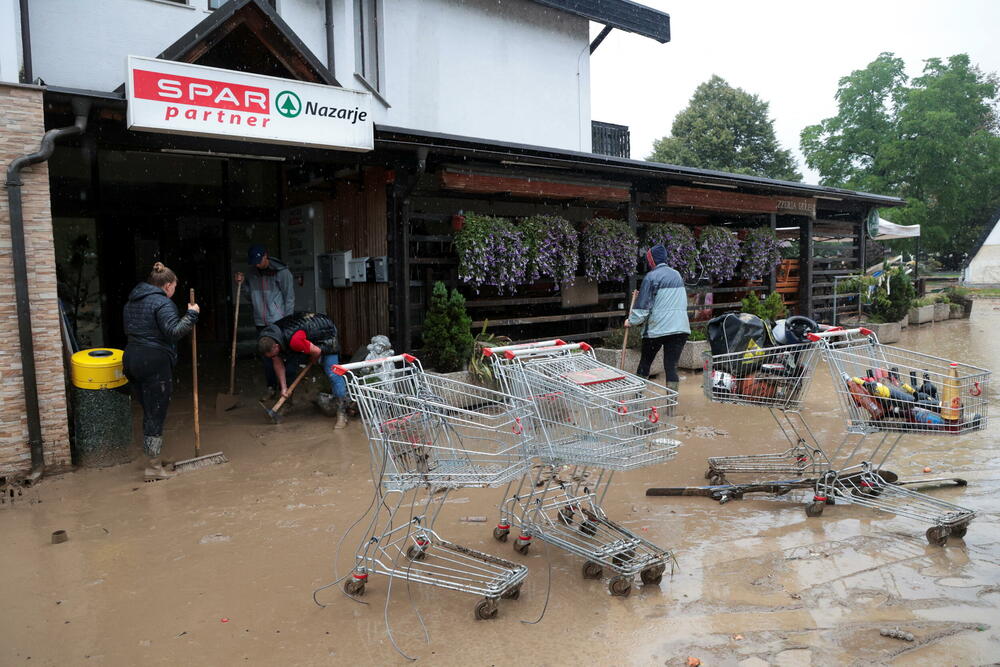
[490, 252]
[682, 249]
[609, 250]
[719, 253]
[552, 249]
[761, 253]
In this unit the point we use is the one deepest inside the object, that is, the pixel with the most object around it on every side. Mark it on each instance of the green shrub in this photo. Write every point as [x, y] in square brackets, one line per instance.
[771, 307]
[447, 330]
[698, 333]
[615, 338]
[479, 367]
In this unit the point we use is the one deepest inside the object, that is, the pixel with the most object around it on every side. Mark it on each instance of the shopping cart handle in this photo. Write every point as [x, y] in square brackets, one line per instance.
[343, 369]
[490, 351]
[561, 347]
[838, 331]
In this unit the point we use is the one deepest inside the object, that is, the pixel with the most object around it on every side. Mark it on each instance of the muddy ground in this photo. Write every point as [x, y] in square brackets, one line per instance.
[217, 567]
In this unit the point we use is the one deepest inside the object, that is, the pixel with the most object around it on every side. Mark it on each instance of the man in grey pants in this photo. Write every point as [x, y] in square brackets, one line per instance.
[272, 298]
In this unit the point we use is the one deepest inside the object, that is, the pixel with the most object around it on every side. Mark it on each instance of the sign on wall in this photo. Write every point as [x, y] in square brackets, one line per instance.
[180, 98]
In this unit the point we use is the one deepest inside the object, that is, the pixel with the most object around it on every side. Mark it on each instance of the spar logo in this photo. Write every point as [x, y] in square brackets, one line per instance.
[288, 104]
[205, 100]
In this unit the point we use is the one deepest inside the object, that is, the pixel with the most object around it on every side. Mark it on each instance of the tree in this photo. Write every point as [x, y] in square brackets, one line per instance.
[932, 141]
[728, 129]
[447, 330]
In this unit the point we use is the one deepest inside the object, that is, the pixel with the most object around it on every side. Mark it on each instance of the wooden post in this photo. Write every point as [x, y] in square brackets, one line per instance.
[772, 278]
[862, 242]
[806, 266]
[633, 224]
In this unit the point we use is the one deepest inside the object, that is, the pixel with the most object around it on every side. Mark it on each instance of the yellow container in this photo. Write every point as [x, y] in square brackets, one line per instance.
[99, 368]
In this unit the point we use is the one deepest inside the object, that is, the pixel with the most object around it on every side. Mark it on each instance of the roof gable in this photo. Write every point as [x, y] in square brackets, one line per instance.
[621, 14]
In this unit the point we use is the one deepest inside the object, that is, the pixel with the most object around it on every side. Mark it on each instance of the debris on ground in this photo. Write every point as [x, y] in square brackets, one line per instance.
[693, 662]
[214, 537]
[474, 519]
[896, 633]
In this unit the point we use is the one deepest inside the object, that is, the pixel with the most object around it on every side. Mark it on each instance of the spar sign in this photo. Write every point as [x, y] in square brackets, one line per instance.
[180, 98]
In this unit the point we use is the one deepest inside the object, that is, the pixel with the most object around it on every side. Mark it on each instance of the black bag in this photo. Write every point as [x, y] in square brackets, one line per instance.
[739, 332]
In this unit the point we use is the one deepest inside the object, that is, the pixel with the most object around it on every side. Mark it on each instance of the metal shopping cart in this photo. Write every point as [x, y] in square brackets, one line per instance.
[595, 420]
[775, 378]
[427, 435]
[888, 392]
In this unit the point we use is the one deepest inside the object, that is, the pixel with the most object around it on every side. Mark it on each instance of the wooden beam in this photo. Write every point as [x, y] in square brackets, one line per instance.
[737, 202]
[806, 268]
[542, 319]
[529, 187]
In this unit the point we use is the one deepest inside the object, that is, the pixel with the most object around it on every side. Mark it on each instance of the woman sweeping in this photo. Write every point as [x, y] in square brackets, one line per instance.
[153, 329]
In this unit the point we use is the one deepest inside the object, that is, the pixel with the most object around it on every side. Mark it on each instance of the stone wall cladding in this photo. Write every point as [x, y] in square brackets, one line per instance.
[22, 124]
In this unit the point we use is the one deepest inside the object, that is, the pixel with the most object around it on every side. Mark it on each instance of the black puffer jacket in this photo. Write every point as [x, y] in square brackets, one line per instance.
[320, 331]
[151, 320]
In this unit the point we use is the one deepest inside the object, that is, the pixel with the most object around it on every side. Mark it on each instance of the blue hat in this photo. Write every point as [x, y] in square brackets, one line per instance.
[255, 254]
[656, 255]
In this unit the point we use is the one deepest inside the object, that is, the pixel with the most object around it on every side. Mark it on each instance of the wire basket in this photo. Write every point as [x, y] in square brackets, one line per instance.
[773, 377]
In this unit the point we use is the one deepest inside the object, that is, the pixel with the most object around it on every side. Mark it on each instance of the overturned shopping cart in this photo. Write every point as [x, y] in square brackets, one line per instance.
[427, 435]
[591, 421]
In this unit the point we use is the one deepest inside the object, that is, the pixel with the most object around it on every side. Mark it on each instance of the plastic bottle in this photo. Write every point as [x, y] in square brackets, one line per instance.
[913, 383]
[951, 402]
[928, 387]
[861, 397]
[922, 416]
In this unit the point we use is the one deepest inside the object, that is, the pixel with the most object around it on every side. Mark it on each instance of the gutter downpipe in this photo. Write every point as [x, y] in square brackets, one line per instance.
[28, 75]
[331, 63]
[81, 109]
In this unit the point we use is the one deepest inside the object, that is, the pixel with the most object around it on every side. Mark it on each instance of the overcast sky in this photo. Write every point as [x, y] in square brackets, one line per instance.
[790, 53]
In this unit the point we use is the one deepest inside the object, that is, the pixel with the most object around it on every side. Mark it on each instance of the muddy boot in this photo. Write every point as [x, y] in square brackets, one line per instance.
[341, 414]
[155, 471]
[327, 404]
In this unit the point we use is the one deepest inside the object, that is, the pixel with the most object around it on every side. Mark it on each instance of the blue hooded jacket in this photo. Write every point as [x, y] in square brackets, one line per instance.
[662, 301]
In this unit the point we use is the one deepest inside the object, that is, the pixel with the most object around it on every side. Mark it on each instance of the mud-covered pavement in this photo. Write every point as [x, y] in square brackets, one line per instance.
[217, 566]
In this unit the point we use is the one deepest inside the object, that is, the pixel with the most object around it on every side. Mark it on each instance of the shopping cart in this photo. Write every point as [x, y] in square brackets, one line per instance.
[595, 420]
[775, 378]
[427, 435]
[877, 389]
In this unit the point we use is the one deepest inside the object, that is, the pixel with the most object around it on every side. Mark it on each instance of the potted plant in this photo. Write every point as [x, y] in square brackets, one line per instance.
[490, 252]
[921, 311]
[885, 301]
[609, 250]
[761, 253]
[963, 297]
[610, 351]
[552, 249]
[682, 249]
[942, 308]
[447, 331]
[694, 350]
[719, 253]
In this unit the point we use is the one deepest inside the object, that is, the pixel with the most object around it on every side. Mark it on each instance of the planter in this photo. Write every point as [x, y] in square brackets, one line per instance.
[966, 305]
[887, 332]
[942, 311]
[956, 311]
[612, 357]
[691, 356]
[922, 315]
[905, 322]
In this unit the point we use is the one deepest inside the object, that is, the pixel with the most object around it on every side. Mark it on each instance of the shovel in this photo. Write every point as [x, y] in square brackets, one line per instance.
[226, 402]
[273, 413]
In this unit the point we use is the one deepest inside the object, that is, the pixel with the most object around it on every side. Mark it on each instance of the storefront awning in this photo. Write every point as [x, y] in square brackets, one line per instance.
[890, 230]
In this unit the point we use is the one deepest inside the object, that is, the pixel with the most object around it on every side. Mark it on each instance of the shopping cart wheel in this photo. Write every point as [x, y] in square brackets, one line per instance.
[500, 534]
[815, 508]
[620, 586]
[710, 473]
[620, 559]
[512, 593]
[486, 610]
[566, 515]
[522, 546]
[588, 528]
[354, 587]
[937, 535]
[415, 552]
[652, 576]
[592, 570]
[717, 479]
[959, 530]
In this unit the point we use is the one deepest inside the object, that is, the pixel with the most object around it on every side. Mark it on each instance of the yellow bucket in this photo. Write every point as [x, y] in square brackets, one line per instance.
[99, 368]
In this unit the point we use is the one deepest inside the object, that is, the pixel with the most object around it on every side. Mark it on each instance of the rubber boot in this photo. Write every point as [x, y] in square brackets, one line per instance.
[341, 414]
[327, 404]
[155, 471]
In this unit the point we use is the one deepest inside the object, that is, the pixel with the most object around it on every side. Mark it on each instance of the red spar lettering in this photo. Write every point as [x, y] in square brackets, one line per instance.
[161, 87]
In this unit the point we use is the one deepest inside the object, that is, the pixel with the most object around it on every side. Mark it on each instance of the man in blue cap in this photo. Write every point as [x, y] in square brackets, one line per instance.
[662, 306]
[272, 298]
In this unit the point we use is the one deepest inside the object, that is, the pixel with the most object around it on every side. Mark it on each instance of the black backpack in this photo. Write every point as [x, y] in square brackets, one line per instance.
[739, 333]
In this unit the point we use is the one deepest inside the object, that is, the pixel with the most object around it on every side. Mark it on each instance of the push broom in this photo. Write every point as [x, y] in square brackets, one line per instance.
[208, 459]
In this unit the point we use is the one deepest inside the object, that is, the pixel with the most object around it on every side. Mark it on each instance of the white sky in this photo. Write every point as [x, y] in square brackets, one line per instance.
[790, 53]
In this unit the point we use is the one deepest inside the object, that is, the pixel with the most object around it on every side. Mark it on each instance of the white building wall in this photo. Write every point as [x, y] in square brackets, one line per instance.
[10, 42]
[509, 70]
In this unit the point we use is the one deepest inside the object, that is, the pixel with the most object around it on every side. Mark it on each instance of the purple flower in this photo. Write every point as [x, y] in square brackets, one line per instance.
[761, 253]
[552, 249]
[682, 250]
[719, 253]
[609, 252]
[490, 252]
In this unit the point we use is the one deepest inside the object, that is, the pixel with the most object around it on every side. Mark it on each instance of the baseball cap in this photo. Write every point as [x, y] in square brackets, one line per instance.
[255, 254]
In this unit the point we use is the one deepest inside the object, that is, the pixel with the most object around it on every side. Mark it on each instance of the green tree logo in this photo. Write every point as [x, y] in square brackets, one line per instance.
[288, 104]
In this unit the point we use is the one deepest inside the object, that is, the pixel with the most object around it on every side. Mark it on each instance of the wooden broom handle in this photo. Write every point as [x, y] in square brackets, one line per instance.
[621, 361]
[232, 354]
[194, 379]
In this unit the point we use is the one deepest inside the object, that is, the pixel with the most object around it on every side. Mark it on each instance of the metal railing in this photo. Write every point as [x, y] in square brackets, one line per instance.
[610, 139]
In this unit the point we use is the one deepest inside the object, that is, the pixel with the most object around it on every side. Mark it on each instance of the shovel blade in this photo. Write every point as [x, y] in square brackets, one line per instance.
[226, 402]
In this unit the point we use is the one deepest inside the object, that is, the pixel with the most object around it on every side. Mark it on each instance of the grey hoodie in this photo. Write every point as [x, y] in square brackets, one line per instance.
[271, 292]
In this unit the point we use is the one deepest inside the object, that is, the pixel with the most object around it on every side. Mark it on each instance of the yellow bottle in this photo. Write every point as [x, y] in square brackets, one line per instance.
[951, 402]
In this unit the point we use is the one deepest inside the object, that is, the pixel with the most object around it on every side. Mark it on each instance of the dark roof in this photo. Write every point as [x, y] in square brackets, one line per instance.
[276, 35]
[621, 14]
[390, 137]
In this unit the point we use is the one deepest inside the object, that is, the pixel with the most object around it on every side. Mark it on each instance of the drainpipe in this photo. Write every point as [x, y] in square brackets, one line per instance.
[28, 75]
[80, 108]
[330, 60]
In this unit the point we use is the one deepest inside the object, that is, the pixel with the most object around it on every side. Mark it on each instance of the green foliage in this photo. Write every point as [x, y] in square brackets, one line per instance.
[698, 333]
[933, 141]
[920, 303]
[772, 307]
[615, 338]
[728, 129]
[447, 330]
[959, 294]
[479, 367]
[887, 298]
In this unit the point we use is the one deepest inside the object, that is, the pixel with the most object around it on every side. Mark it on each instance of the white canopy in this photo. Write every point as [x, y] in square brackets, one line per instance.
[890, 230]
[984, 267]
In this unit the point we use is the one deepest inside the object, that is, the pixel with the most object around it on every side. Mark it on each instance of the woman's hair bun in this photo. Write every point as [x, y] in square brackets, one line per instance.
[158, 267]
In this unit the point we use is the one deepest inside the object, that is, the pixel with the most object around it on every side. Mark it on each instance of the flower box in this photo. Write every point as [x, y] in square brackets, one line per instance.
[905, 322]
[692, 355]
[956, 311]
[922, 314]
[887, 332]
[942, 311]
[612, 357]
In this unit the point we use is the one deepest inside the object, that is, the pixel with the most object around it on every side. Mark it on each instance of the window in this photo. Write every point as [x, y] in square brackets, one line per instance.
[368, 43]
